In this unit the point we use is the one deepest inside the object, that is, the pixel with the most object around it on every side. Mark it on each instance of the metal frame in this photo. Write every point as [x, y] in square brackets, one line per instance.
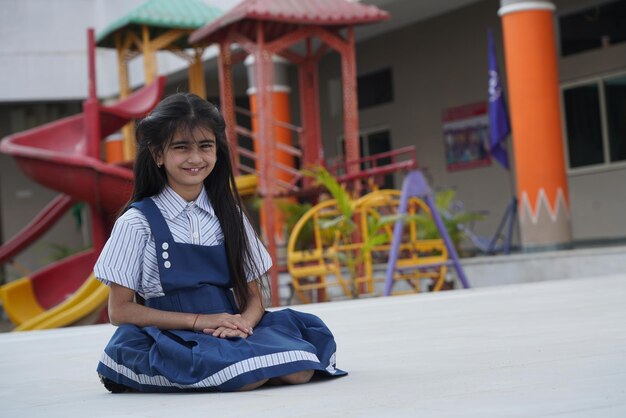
[312, 153]
[416, 185]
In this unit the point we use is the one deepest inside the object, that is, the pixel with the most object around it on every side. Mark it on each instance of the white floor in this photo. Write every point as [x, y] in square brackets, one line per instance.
[550, 349]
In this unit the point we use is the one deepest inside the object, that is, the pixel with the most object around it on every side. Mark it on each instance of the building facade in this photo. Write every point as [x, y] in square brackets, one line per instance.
[415, 72]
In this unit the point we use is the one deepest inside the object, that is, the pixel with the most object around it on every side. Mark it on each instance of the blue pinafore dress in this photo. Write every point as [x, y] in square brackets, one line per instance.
[196, 279]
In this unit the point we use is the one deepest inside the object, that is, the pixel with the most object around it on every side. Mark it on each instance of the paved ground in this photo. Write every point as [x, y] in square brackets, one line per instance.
[545, 349]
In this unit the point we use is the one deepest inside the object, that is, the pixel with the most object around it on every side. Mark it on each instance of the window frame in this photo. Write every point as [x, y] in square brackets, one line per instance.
[365, 133]
[600, 81]
[391, 101]
[570, 9]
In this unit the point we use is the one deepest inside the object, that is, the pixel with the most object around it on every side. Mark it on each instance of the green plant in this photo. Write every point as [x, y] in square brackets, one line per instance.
[292, 212]
[453, 219]
[344, 228]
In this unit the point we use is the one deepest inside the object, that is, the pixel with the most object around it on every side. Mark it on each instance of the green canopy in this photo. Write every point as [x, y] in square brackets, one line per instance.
[161, 16]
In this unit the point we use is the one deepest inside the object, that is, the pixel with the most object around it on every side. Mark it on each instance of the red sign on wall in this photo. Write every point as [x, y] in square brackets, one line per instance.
[466, 136]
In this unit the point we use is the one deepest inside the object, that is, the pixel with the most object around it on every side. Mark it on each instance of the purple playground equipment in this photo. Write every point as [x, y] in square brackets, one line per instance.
[415, 185]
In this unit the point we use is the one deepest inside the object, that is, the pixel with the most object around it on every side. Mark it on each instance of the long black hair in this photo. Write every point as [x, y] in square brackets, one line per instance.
[186, 112]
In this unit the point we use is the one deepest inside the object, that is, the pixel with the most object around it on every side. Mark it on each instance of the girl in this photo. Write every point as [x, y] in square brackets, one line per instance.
[180, 246]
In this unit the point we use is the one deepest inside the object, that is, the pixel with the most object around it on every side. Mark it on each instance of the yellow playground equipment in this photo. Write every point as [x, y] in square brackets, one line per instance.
[313, 253]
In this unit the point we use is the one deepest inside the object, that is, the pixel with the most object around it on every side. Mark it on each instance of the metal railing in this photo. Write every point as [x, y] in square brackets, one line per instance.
[371, 168]
[249, 167]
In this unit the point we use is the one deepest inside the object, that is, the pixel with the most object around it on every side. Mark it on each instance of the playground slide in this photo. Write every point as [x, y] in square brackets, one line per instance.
[28, 297]
[247, 185]
[87, 300]
[31, 304]
[55, 155]
[37, 227]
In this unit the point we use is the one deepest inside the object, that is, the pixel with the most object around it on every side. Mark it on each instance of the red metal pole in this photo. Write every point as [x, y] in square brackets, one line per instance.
[91, 111]
[91, 106]
[350, 107]
[91, 48]
[313, 153]
[227, 100]
[264, 77]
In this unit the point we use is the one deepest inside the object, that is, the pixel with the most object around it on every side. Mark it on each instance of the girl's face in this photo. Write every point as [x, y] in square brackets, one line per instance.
[188, 159]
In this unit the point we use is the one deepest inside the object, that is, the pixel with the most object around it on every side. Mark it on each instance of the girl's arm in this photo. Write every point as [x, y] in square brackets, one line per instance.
[124, 310]
[255, 309]
[252, 315]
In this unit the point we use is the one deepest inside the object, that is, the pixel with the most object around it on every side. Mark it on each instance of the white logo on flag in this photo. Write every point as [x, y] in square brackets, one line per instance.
[494, 86]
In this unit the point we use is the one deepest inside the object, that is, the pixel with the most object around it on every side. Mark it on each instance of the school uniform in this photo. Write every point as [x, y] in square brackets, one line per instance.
[172, 253]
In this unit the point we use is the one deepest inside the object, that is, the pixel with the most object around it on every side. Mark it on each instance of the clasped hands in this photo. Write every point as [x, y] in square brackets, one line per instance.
[223, 325]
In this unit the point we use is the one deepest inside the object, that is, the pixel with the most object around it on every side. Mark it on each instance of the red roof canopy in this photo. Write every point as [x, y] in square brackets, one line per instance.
[287, 15]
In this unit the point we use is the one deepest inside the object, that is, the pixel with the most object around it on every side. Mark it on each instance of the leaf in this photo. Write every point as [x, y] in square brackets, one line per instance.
[392, 219]
[331, 223]
[443, 199]
[337, 191]
[378, 239]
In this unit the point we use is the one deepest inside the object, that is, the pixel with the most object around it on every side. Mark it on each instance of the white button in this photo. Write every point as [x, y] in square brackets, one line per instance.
[167, 264]
[165, 255]
[165, 246]
[195, 235]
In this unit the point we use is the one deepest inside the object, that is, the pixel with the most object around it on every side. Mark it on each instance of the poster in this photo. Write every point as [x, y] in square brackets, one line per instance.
[466, 136]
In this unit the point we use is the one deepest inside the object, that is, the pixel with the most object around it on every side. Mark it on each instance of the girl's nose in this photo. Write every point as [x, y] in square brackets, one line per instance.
[194, 155]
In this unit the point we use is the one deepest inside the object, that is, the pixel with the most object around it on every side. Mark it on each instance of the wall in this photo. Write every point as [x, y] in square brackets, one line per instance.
[540, 267]
[436, 64]
[42, 41]
[441, 63]
[597, 194]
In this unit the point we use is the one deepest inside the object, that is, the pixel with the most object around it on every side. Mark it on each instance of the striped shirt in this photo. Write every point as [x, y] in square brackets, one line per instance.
[129, 256]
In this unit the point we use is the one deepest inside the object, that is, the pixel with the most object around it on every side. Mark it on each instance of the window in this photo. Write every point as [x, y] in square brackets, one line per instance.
[372, 143]
[375, 88]
[595, 123]
[595, 27]
[615, 93]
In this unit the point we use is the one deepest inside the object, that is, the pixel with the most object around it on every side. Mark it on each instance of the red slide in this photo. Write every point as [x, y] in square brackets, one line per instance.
[57, 155]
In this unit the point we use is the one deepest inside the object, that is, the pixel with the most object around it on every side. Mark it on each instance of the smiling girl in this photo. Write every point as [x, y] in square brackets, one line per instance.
[186, 273]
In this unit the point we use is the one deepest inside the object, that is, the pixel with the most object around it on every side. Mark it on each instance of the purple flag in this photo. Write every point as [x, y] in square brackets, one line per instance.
[499, 127]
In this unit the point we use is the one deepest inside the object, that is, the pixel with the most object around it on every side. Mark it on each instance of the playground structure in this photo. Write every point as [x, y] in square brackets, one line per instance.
[156, 25]
[416, 186]
[316, 254]
[65, 155]
[263, 29]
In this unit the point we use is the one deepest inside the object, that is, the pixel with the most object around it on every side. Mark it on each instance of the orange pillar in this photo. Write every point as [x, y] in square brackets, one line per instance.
[114, 149]
[281, 112]
[532, 78]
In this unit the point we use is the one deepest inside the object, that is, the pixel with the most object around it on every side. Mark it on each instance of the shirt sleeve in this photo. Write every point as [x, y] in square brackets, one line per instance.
[121, 259]
[259, 254]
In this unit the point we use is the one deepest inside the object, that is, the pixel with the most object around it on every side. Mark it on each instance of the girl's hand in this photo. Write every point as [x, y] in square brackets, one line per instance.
[222, 321]
[226, 332]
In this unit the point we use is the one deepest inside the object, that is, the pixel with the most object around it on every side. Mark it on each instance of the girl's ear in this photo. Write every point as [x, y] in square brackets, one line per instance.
[157, 156]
